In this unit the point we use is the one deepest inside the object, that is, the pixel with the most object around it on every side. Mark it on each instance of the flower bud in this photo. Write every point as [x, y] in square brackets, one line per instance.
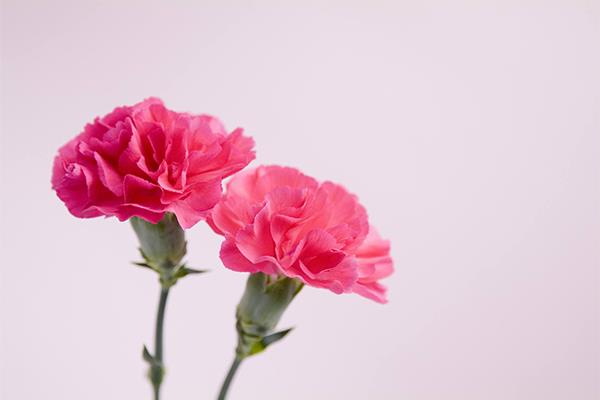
[260, 309]
[163, 244]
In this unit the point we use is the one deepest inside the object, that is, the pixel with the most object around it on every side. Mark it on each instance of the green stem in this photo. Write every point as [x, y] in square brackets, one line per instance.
[157, 370]
[227, 382]
[160, 319]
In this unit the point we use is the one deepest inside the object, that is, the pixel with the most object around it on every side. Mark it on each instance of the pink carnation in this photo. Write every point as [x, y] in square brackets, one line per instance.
[146, 160]
[278, 221]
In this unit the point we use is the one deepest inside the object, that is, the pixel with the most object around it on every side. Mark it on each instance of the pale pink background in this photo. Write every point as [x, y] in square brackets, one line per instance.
[469, 129]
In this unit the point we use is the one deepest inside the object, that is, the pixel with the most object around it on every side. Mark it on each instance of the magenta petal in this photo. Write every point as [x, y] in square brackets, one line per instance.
[234, 153]
[196, 206]
[71, 187]
[146, 159]
[109, 177]
[141, 193]
[124, 212]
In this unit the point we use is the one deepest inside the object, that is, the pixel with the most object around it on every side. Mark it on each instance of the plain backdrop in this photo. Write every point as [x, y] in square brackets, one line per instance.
[470, 131]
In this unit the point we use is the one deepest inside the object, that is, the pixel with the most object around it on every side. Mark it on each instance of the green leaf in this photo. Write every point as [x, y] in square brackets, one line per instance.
[156, 372]
[147, 356]
[275, 337]
[261, 345]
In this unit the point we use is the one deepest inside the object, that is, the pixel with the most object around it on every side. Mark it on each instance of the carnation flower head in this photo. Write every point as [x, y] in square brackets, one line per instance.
[278, 221]
[146, 160]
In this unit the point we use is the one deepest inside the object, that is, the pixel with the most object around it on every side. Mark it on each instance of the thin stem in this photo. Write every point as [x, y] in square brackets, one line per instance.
[227, 382]
[157, 370]
[160, 319]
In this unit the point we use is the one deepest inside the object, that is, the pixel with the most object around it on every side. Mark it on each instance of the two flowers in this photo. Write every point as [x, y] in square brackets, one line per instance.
[163, 170]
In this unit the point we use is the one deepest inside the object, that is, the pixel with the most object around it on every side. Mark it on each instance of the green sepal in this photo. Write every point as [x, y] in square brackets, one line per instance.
[142, 264]
[192, 271]
[169, 276]
[266, 341]
[264, 301]
[162, 247]
[184, 270]
[163, 244]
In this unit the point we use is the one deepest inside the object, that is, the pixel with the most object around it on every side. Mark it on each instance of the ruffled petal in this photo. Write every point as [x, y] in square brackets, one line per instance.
[198, 203]
[144, 160]
[142, 193]
[233, 259]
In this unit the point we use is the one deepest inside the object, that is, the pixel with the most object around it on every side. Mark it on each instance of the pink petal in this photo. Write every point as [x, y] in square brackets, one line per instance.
[373, 290]
[233, 259]
[255, 241]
